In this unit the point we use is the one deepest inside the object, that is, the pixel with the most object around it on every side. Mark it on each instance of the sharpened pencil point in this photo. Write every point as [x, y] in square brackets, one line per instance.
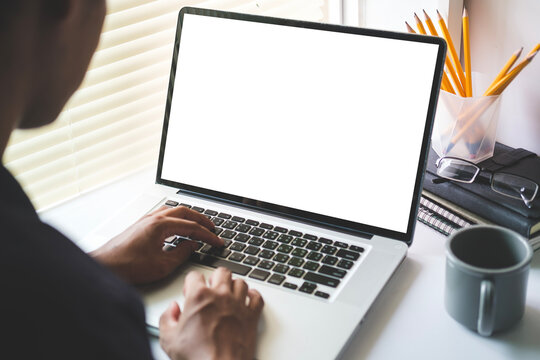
[409, 28]
[465, 14]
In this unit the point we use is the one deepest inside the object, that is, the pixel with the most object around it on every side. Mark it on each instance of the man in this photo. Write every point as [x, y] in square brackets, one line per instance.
[56, 301]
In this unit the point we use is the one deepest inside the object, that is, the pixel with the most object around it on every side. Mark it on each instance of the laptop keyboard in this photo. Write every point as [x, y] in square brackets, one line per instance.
[274, 254]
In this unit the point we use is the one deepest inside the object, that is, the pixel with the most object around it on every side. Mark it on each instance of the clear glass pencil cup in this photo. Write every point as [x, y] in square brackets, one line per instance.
[465, 127]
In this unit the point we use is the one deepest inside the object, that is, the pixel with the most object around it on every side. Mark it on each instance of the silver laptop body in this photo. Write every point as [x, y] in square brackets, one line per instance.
[312, 133]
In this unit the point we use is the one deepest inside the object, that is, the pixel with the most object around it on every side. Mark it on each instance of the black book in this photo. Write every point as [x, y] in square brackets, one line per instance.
[478, 197]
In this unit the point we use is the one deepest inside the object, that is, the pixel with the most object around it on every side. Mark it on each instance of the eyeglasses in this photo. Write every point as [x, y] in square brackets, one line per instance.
[514, 186]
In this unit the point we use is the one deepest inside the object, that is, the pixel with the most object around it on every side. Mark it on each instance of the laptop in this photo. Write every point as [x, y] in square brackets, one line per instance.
[305, 143]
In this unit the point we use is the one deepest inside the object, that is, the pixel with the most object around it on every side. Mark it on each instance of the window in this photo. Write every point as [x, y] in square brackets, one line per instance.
[112, 125]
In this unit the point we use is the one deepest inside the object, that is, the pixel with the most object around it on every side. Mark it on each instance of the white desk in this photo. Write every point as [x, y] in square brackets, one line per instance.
[408, 321]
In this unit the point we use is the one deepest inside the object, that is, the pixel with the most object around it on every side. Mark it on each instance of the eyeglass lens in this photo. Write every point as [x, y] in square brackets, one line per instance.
[514, 186]
[457, 170]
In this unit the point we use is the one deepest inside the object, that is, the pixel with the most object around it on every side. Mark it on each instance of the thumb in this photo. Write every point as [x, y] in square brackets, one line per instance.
[170, 317]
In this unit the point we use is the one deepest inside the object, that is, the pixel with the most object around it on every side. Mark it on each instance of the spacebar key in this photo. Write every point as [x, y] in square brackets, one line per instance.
[320, 279]
[216, 262]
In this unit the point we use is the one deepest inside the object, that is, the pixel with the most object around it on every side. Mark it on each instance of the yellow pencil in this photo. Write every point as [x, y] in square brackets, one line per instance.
[535, 49]
[444, 84]
[498, 88]
[506, 67]
[458, 87]
[467, 54]
[409, 28]
[453, 53]
[419, 25]
[484, 104]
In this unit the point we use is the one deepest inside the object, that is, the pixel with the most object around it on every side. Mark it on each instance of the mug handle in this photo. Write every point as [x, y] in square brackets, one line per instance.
[486, 311]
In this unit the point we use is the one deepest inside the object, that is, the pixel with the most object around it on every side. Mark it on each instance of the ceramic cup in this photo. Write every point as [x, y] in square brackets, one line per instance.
[486, 277]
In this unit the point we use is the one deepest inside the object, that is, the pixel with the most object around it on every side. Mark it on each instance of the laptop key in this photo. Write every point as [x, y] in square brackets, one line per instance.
[295, 233]
[224, 216]
[211, 212]
[217, 221]
[311, 265]
[256, 231]
[332, 271]
[265, 264]
[299, 252]
[290, 286]
[270, 245]
[299, 242]
[345, 264]
[185, 205]
[235, 256]
[252, 222]
[296, 262]
[296, 272]
[280, 229]
[331, 250]
[321, 279]
[242, 237]
[330, 260]
[218, 230]
[282, 269]
[282, 258]
[256, 241]
[228, 234]
[259, 274]
[276, 279]
[217, 262]
[266, 254]
[349, 255]
[198, 209]
[356, 248]
[272, 235]
[313, 246]
[266, 226]
[171, 203]
[308, 288]
[310, 237]
[322, 294]
[325, 241]
[315, 256]
[284, 238]
[229, 225]
[243, 228]
[340, 244]
[251, 260]
[237, 246]
[238, 219]
[284, 248]
[252, 250]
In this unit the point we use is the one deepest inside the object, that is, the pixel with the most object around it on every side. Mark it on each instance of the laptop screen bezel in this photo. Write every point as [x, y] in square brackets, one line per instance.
[333, 223]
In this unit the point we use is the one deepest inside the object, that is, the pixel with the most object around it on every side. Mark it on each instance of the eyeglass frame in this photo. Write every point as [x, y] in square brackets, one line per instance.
[491, 173]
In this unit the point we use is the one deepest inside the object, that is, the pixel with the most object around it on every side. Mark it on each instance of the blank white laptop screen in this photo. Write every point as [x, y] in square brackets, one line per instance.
[327, 122]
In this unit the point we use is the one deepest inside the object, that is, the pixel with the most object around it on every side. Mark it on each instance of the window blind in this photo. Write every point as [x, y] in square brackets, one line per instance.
[112, 125]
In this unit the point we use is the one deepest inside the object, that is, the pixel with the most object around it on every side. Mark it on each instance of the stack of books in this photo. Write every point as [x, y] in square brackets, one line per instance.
[449, 206]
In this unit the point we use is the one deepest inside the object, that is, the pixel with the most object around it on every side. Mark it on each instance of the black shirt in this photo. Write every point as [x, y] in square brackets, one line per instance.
[56, 302]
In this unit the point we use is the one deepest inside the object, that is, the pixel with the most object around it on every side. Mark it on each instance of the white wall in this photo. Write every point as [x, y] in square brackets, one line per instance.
[498, 28]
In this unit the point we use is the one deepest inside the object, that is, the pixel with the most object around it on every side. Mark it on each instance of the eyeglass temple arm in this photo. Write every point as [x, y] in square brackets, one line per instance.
[439, 180]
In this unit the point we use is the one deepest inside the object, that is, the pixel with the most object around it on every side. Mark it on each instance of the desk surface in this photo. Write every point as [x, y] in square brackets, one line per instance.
[408, 320]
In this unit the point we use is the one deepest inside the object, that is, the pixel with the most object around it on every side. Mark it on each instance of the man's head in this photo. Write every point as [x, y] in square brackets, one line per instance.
[46, 48]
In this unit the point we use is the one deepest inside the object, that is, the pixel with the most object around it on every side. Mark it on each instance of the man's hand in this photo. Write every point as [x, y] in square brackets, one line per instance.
[136, 255]
[219, 321]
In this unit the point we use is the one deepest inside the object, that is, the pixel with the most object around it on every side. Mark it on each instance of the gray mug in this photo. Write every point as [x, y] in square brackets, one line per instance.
[486, 277]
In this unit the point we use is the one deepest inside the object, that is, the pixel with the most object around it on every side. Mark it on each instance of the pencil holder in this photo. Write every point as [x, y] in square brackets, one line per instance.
[465, 127]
